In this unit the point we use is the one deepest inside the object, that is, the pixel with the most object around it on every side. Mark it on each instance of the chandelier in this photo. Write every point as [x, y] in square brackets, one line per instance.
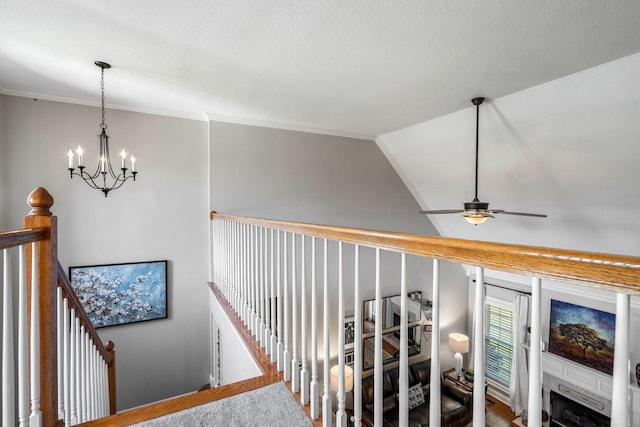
[104, 178]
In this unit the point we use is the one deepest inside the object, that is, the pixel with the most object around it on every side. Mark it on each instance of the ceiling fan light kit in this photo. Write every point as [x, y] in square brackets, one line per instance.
[475, 211]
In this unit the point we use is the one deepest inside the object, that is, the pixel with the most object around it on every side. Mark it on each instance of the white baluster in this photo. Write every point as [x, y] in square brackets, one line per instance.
[247, 275]
[286, 353]
[236, 267]
[279, 313]
[403, 381]
[105, 389]
[327, 410]
[266, 299]
[304, 373]
[98, 368]
[357, 348]
[265, 295]
[535, 362]
[60, 351]
[261, 282]
[272, 344]
[253, 274]
[83, 374]
[73, 368]
[94, 376]
[238, 264]
[8, 378]
[478, 352]
[434, 403]
[65, 360]
[35, 418]
[295, 370]
[620, 396]
[341, 415]
[377, 376]
[90, 383]
[23, 350]
[314, 390]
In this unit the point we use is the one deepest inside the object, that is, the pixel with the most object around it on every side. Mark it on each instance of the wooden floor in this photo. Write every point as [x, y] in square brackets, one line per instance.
[497, 415]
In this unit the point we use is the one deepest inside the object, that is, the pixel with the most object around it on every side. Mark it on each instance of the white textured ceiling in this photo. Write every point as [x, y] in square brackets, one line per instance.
[560, 132]
[361, 68]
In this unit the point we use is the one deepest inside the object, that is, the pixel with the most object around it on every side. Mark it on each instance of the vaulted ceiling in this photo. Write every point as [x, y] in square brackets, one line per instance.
[356, 67]
[375, 69]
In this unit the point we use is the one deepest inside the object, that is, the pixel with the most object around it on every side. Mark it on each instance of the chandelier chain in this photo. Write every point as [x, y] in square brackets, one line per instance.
[102, 125]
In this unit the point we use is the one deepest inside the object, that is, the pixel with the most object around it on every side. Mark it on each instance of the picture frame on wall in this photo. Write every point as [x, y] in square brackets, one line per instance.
[119, 294]
[349, 332]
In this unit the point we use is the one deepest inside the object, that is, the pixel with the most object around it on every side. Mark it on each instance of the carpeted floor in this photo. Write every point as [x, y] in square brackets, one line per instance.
[273, 405]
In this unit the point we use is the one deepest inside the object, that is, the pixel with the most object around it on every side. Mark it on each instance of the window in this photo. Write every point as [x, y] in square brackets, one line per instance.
[498, 330]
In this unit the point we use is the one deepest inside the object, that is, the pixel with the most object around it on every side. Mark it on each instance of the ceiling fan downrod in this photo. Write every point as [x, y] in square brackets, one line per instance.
[477, 102]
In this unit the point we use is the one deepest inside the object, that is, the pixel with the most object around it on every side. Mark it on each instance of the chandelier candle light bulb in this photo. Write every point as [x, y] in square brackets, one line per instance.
[104, 178]
[79, 152]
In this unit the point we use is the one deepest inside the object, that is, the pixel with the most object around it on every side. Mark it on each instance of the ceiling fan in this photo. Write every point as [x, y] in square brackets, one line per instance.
[475, 211]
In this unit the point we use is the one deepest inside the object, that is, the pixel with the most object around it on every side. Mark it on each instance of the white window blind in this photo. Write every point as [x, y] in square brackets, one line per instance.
[498, 340]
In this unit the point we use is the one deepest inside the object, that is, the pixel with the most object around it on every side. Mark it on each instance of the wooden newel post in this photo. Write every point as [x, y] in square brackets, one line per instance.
[40, 216]
[111, 366]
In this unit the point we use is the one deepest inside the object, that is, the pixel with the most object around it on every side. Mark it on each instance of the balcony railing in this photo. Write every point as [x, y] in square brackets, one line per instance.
[60, 372]
[272, 273]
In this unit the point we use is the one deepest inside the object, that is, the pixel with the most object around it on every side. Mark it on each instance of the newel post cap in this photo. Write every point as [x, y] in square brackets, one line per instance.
[40, 201]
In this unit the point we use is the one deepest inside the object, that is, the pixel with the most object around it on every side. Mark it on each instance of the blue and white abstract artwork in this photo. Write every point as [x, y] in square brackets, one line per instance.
[117, 294]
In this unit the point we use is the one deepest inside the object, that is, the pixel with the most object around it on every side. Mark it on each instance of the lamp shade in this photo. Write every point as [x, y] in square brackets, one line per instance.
[459, 343]
[348, 378]
[475, 218]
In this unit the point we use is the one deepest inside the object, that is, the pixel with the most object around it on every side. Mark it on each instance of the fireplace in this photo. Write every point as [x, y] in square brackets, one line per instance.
[566, 412]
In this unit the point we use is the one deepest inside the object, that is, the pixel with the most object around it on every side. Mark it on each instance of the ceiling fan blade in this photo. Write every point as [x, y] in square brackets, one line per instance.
[443, 211]
[521, 214]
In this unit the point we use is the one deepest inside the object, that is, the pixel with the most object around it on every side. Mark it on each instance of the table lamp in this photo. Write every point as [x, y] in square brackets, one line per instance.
[459, 343]
[348, 378]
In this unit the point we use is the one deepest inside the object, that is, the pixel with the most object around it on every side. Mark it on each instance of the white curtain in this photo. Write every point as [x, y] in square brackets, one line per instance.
[519, 381]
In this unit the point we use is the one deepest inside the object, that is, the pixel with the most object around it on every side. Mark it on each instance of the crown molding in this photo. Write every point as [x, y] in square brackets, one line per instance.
[79, 101]
[185, 115]
[285, 126]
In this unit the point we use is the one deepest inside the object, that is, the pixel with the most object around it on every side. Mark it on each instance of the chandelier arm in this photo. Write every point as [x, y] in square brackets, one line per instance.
[87, 178]
[121, 181]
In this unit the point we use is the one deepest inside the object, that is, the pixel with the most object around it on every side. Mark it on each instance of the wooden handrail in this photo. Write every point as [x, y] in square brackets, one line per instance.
[616, 273]
[9, 239]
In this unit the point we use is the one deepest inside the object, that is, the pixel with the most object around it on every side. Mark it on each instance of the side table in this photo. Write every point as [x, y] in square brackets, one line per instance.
[450, 375]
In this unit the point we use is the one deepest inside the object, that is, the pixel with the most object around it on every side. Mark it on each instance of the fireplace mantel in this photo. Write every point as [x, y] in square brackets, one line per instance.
[574, 373]
[590, 380]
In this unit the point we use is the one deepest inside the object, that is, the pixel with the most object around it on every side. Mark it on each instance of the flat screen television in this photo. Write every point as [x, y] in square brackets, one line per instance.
[582, 334]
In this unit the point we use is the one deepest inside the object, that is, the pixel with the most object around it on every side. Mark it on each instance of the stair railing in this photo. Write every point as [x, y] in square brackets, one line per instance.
[59, 372]
[243, 254]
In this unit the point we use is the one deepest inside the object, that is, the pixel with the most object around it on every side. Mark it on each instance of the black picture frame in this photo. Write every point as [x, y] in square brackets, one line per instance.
[119, 294]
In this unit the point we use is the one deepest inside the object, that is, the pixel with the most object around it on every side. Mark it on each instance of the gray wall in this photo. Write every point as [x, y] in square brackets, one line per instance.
[163, 215]
[288, 175]
[3, 167]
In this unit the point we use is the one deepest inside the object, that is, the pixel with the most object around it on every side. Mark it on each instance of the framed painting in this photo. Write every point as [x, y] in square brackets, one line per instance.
[582, 334]
[117, 294]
